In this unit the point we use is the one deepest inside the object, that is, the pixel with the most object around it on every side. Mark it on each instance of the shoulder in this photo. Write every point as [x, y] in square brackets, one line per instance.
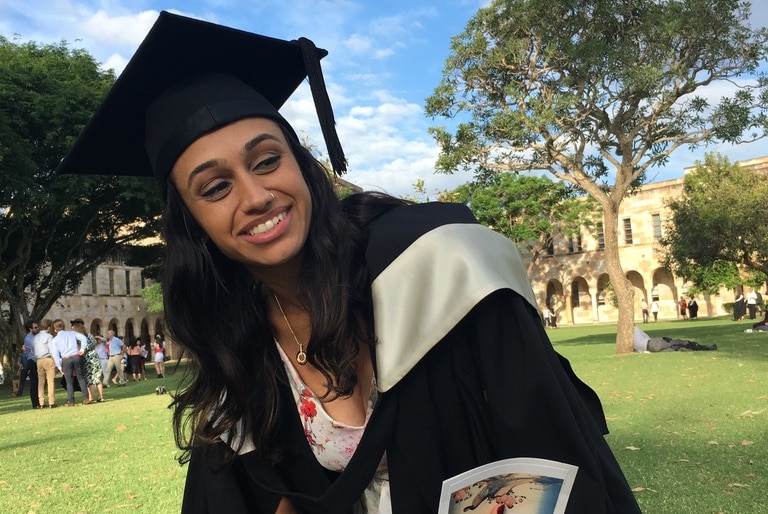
[421, 245]
[434, 262]
[391, 233]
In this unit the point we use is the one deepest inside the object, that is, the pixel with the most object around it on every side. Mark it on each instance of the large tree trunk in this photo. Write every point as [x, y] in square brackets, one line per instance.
[622, 287]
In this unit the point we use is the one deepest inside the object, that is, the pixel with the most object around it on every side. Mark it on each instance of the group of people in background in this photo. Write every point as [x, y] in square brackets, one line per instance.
[689, 309]
[550, 317]
[654, 310]
[86, 361]
[752, 303]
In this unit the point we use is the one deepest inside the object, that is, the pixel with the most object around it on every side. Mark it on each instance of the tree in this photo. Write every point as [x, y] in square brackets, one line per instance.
[153, 295]
[597, 93]
[718, 234]
[54, 228]
[533, 211]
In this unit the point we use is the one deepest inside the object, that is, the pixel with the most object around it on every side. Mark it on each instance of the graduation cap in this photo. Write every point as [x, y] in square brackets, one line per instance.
[188, 78]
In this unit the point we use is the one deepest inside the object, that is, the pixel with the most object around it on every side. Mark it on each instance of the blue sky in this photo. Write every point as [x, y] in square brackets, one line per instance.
[385, 58]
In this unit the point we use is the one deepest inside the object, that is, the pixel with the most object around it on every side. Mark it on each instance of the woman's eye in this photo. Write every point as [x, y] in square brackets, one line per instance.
[267, 164]
[214, 189]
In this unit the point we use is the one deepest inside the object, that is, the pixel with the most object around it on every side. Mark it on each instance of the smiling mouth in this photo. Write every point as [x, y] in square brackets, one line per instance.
[267, 225]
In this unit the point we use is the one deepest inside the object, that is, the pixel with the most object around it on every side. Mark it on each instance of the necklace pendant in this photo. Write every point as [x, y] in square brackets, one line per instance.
[301, 357]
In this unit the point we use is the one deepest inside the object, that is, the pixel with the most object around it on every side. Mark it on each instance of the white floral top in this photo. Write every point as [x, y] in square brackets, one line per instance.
[334, 443]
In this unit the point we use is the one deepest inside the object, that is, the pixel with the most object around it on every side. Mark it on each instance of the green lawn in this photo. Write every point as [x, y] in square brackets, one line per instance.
[689, 429]
[116, 456]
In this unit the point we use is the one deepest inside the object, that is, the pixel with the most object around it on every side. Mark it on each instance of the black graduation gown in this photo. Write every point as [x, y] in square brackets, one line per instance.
[486, 385]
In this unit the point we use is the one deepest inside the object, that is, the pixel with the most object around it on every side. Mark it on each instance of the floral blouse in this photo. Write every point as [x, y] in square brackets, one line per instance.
[334, 443]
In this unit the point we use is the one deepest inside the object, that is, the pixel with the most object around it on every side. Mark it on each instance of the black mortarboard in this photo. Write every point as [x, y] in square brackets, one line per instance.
[190, 77]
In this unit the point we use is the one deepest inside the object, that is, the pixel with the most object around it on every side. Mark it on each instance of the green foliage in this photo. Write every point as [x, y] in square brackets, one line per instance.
[718, 233]
[598, 92]
[153, 295]
[55, 228]
[530, 210]
[581, 87]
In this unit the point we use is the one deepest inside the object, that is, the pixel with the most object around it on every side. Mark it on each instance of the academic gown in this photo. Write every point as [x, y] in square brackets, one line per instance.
[466, 375]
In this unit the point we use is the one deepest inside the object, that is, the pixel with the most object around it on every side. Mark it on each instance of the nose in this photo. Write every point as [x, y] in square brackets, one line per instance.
[254, 196]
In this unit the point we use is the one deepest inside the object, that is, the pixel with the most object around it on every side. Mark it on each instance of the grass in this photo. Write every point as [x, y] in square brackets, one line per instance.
[688, 428]
[116, 456]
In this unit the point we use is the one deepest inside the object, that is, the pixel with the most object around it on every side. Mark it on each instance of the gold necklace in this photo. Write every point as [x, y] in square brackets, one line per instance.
[301, 357]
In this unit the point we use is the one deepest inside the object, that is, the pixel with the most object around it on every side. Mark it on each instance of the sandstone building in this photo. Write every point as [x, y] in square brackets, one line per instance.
[573, 279]
[108, 298]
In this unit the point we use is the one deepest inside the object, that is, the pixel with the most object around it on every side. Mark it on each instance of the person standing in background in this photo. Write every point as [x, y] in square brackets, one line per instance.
[134, 359]
[752, 302]
[91, 362]
[46, 366]
[29, 363]
[693, 308]
[116, 351]
[103, 353]
[739, 306]
[69, 347]
[158, 356]
[644, 309]
[655, 310]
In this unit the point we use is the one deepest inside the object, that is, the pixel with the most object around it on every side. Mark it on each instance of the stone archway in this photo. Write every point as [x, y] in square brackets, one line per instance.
[555, 300]
[580, 301]
[664, 291]
[96, 328]
[606, 308]
[637, 281]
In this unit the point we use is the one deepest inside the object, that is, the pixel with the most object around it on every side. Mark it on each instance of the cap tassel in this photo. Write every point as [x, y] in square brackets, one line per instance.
[323, 106]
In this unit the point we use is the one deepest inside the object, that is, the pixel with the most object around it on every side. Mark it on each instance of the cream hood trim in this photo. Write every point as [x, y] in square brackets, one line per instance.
[432, 286]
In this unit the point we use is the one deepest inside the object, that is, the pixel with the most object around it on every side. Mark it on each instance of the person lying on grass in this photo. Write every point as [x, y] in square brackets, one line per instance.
[645, 343]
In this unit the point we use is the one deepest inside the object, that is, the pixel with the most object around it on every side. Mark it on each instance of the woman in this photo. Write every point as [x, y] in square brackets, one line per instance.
[655, 310]
[134, 359]
[693, 308]
[762, 324]
[91, 363]
[337, 365]
[159, 356]
[739, 306]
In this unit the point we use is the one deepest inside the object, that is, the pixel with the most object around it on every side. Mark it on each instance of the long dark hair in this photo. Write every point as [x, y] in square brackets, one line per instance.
[215, 310]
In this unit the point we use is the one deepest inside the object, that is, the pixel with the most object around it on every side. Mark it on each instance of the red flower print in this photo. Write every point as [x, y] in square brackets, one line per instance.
[308, 408]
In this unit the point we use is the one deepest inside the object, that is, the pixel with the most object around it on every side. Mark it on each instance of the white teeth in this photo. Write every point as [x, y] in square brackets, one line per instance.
[267, 225]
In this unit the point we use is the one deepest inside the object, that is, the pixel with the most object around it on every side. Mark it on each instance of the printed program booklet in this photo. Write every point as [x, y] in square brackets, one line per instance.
[519, 486]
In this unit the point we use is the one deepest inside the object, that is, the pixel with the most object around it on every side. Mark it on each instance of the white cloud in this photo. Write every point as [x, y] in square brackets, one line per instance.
[116, 63]
[358, 44]
[128, 30]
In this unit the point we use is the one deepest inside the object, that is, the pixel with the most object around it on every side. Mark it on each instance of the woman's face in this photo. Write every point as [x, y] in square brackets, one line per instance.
[244, 187]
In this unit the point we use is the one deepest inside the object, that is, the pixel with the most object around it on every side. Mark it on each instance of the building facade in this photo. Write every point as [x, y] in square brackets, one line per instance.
[109, 298]
[572, 279]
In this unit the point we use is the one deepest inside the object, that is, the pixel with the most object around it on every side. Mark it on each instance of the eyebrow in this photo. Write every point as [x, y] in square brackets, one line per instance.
[246, 147]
